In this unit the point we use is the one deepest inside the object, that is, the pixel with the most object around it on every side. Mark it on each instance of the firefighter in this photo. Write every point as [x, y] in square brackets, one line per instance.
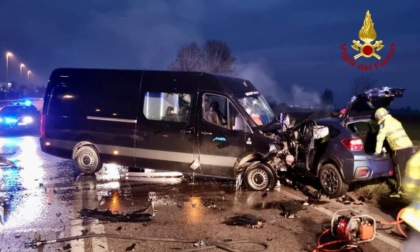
[411, 214]
[399, 142]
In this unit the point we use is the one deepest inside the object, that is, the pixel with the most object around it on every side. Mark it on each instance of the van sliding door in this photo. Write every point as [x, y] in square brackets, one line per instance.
[164, 138]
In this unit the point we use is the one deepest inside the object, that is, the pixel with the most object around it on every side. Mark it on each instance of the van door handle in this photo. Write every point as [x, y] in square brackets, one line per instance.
[206, 133]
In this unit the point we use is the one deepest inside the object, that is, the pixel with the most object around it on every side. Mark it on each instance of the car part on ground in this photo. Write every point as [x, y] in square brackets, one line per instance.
[107, 215]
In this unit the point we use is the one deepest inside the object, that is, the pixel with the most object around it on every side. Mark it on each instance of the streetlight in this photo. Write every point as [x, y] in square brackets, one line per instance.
[8, 54]
[29, 72]
[21, 67]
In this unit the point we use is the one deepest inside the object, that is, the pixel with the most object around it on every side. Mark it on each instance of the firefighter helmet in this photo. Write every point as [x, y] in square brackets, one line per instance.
[380, 112]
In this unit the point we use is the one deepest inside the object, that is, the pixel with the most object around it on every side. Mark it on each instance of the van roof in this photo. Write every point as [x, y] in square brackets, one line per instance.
[207, 81]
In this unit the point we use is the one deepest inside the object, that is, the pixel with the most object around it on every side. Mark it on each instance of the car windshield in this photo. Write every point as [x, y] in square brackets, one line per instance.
[15, 109]
[258, 108]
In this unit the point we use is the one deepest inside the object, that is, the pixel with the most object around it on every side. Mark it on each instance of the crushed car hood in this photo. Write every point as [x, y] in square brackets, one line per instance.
[366, 103]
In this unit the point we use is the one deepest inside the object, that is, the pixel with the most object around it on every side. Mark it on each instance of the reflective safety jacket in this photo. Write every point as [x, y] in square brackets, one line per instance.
[391, 129]
[411, 185]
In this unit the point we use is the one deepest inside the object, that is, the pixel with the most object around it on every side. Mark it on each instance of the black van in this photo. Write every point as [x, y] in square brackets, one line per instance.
[172, 121]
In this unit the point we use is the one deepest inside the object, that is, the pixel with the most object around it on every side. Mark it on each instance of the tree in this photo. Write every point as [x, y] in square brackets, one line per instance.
[189, 58]
[217, 57]
[327, 98]
[362, 84]
[213, 57]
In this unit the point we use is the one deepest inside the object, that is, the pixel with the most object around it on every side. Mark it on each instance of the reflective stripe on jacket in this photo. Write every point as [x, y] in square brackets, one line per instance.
[391, 129]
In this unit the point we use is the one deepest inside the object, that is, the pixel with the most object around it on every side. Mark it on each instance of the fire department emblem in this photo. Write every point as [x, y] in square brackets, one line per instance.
[367, 34]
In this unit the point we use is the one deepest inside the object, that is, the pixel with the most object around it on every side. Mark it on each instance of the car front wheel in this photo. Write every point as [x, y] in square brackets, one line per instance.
[258, 177]
[331, 182]
[87, 160]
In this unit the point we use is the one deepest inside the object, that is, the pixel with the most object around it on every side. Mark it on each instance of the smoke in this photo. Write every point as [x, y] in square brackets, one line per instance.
[304, 98]
[260, 74]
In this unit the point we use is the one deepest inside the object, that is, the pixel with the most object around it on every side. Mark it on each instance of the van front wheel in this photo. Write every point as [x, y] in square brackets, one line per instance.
[87, 160]
[258, 177]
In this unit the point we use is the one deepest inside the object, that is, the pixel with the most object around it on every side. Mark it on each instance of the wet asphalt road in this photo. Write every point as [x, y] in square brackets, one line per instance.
[43, 196]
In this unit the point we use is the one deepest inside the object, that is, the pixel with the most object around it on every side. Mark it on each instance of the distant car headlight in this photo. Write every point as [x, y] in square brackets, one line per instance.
[27, 119]
[10, 120]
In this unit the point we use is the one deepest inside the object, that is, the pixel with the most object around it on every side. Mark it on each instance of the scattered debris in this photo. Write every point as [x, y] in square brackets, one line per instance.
[119, 228]
[67, 247]
[202, 243]
[246, 220]
[130, 248]
[347, 200]
[290, 208]
[107, 215]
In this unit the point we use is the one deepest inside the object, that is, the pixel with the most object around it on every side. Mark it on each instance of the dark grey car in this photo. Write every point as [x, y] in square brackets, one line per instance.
[337, 150]
[348, 157]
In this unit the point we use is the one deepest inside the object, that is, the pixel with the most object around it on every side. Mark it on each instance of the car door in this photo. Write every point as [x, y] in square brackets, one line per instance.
[164, 134]
[220, 142]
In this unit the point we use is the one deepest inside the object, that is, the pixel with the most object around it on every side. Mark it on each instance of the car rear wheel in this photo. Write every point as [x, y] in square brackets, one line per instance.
[87, 160]
[331, 182]
[258, 177]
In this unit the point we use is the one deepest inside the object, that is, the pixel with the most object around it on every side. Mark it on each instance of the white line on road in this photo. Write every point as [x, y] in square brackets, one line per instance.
[99, 244]
[76, 230]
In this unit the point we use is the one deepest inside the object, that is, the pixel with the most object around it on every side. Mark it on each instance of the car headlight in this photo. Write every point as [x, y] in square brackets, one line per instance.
[27, 119]
[10, 120]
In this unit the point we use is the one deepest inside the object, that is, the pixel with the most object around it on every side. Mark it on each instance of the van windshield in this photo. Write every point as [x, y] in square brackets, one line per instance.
[257, 107]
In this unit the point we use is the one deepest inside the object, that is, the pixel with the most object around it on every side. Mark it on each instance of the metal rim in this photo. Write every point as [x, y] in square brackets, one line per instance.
[329, 180]
[258, 178]
[87, 160]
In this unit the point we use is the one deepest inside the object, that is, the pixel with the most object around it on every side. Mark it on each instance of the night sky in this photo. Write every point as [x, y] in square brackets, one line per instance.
[290, 49]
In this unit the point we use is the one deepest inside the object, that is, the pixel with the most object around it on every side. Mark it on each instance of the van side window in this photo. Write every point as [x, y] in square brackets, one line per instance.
[162, 106]
[214, 109]
[236, 121]
[219, 110]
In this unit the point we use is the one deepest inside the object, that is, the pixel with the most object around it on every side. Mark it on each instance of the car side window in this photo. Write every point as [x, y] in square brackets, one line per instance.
[333, 131]
[162, 106]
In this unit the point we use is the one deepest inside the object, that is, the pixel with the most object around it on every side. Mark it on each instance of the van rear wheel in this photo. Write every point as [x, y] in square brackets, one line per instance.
[87, 160]
[258, 177]
[331, 182]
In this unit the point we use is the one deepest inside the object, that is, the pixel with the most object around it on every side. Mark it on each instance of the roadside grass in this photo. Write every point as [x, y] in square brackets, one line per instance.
[411, 124]
[377, 192]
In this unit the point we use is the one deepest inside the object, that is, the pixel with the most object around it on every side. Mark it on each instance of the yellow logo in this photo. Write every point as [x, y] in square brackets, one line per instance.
[367, 34]
[367, 48]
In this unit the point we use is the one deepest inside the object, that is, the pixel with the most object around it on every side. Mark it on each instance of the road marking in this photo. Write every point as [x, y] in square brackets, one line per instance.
[99, 244]
[386, 239]
[76, 230]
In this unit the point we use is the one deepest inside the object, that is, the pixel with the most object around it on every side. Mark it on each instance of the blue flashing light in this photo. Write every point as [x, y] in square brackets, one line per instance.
[28, 102]
[10, 120]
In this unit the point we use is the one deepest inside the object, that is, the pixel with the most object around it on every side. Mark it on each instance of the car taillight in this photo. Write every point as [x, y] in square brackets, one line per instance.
[353, 144]
[42, 127]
